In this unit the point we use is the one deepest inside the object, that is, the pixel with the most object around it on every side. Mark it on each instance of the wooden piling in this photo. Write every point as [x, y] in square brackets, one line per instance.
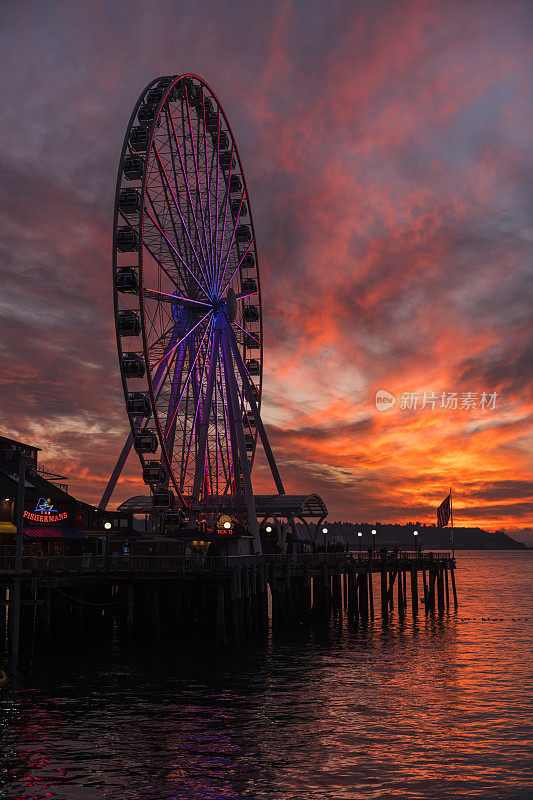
[426, 593]
[352, 596]
[401, 607]
[414, 590]
[392, 578]
[440, 589]
[446, 587]
[432, 575]
[363, 594]
[384, 591]
[454, 590]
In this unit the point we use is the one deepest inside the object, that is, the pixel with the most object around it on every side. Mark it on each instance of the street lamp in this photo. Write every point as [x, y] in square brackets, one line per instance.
[227, 525]
[374, 534]
[107, 528]
[360, 536]
[325, 532]
[268, 528]
[415, 534]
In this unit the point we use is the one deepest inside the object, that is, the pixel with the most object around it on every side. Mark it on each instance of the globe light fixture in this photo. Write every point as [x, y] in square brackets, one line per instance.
[107, 526]
[268, 528]
[360, 536]
[227, 525]
[324, 530]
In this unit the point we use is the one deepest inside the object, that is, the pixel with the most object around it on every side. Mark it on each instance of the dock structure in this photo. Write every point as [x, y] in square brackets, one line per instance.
[227, 599]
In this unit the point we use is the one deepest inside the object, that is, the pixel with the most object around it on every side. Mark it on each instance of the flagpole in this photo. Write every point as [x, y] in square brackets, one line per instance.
[451, 516]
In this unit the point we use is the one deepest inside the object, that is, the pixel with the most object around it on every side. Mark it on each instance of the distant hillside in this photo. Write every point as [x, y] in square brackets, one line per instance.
[430, 537]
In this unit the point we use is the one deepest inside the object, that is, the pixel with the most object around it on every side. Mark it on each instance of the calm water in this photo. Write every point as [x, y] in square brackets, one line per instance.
[431, 709]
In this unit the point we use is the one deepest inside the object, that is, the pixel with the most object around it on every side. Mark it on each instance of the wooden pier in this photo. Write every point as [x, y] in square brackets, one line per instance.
[228, 599]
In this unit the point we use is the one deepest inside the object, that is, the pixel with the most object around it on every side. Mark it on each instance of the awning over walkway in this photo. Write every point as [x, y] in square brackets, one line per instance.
[7, 527]
[53, 532]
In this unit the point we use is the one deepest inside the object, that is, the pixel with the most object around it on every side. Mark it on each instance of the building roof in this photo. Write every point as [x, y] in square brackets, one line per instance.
[277, 505]
[7, 440]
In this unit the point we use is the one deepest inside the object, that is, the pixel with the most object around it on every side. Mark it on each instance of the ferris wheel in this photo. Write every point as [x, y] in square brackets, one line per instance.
[187, 299]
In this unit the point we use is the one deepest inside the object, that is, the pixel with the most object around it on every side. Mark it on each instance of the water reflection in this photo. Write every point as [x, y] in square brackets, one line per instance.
[425, 709]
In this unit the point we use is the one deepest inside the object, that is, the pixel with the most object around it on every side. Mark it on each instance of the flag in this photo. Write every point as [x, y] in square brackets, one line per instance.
[443, 512]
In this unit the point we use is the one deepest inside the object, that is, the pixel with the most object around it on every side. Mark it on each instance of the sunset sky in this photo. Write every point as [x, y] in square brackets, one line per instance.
[387, 150]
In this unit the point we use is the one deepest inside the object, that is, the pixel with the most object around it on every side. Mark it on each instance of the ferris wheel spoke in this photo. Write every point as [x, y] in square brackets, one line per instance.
[225, 216]
[185, 226]
[204, 422]
[192, 368]
[208, 194]
[158, 261]
[187, 186]
[229, 452]
[195, 160]
[164, 297]
[218, 442]
[166, 189]
[228, 368]
[216, 198]
[166, 332]
[170, 429]
[173, 250]
[221, 293]
[194, 431]
[246, 332]
[176, 203]
[183, 339]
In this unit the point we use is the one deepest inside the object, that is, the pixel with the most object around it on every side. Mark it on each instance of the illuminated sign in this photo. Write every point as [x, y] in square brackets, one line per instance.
[45, 517]
[45, 512]
[45, 507]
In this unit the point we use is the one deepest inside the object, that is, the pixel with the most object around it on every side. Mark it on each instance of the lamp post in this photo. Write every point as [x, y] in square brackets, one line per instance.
[360, 536]
[374, 534]
[325, 532]
[107, 528]
[415, 534]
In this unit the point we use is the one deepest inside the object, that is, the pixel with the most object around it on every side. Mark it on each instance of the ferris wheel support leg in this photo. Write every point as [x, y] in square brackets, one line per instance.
[231, 426]
[170, 425]
[236, 423]
[204, 427]
[115, 475]
[258, 421]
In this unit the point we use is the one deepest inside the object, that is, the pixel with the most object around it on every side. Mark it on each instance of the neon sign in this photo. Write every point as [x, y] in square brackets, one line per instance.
[45, 507]
[45, 512]
[45, 517]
